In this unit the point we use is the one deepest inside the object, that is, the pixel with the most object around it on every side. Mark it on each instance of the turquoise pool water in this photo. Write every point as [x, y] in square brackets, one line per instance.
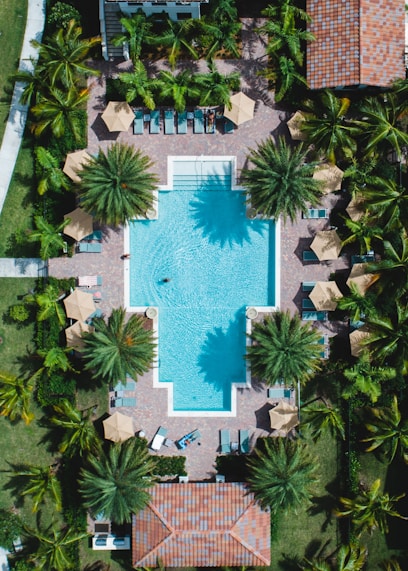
[218, 262]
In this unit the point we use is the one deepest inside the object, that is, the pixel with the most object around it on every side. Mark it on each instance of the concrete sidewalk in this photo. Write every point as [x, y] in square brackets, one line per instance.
[18, 113]
[23, 268]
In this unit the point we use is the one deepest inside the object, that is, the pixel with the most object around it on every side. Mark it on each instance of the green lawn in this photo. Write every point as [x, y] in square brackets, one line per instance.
[13, 19]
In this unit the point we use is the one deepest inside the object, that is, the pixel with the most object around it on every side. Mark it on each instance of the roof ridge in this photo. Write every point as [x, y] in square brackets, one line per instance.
[249, 548]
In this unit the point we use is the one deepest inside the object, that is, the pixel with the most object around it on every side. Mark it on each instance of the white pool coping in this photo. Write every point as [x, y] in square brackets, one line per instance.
[142, 309]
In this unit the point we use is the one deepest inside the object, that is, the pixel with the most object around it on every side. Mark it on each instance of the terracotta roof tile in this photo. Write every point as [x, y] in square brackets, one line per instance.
[357, 42]
[203, 525]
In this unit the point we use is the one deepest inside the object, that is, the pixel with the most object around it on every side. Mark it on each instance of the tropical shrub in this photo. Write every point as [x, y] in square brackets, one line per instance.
[61, 14]
[11, 528]
[170, 466]
[19, 312]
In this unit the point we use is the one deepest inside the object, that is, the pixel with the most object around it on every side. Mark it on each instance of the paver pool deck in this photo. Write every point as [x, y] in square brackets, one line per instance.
[252, 403]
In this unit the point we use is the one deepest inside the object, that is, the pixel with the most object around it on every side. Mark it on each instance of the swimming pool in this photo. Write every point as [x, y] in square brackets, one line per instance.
[218, 262]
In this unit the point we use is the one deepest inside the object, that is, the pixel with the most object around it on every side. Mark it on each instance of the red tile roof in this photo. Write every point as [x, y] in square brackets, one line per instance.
[357, 42]
[201, 525]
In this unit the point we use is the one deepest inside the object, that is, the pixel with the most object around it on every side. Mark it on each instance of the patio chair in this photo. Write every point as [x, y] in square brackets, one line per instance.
[314, 315]
[307, 303]
[198, 125]
[308, 286]
[138, 123]
[225, 441]
[124, 401]
[155, 122]
[169, 122]
[182, 123]
[90, 247]
[244, 441]
[159, 438]
[316, 213]
[228, 126]
[95, 236]
[89, 281]
[309, 256]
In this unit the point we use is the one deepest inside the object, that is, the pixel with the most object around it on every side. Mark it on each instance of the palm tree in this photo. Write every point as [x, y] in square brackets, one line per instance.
[116, 186]
[220, 35]
[322, 417]
[116, 484]
[216, 87]
[136, 31]
[393, 268]
[80, 436]
[15, 397]
[49, 236]
[177, 88]
[388, 202]
[48, 302]
[388, 431]
[35, 82]
[362, 231]
[138, 85]
[357, 304]
[50, 174]
[326, 127]
[223, 10]
[366, 379]
[359, 174]
[63, 55]
[370, 510]
[117, 347]
[282, 476]
[282, 347]
[287, 77]
[350, 557]
[177, 37]
[56, 112]
[55, 548]
[54, 359]
[281, 182]
[39, 482]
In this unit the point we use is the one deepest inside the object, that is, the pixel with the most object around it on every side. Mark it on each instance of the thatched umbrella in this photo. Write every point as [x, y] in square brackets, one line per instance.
[81, 224]
[361, 279]
[284, 417]
[242, 108]
[295, 126]
[357, 337]
[330, 176]
[118, 427]
[79, 305]
[324, 296]
[326, 245]
[74, 334]
[74, 163]
[118, 116]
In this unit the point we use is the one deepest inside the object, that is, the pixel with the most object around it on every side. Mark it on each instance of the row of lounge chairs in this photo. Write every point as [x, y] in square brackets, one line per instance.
[121, 394]
[316, 213]
[226, 446]
[174, 122]
[91, 244]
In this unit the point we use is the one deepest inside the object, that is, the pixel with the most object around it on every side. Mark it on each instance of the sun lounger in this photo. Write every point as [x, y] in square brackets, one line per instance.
[188, 439]
[278, 393]
[314, 315]
[95, 236]
[130, 385]
[198, 121]
[362, 259]
[316, 213]
[225, 441]
[309, 256]
[182, 123]
[96, 313]
[308, 286]
[228, 126]
[155, 122]
[90, 247]
[159, 438]
[89, 281]
[307, 303]
[244, 441]
[138, 123]
[125, 401]
[169, 122]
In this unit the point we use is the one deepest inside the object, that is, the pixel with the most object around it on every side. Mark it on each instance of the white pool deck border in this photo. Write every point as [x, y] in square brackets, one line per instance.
[142, 309]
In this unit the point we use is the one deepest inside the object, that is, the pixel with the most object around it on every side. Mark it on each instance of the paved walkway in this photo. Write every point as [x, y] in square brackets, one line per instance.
[18, 113]
[22, 268]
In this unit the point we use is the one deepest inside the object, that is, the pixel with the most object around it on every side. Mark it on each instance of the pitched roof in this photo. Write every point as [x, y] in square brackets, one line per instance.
[358, 42]
[201, 525]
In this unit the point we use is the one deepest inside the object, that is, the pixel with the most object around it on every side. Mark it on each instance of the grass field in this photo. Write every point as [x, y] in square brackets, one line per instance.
[13, 18]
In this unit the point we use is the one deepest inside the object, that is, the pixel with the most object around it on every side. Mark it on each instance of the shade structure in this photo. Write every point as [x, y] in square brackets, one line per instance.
[361, 279]
[79, 305]
[118, 427]
[118, 116]
[324, 296]
[81, 224]
[326, 245]
[357, 338]
[74, 163]
[330, 176]
[284, 417]
[242, 108]
[74, 334]
[356, 208]
[295, 126]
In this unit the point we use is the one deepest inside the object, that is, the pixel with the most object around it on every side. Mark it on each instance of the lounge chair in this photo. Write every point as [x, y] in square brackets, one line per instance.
[225, 441]
[90, 247]
[316, 213]
[198, 124]
[169, 122]
[307, 303]
[95, 236]
[278, 393]
[228, 126]
[308, 286]
[124, 401]
[244, 441]
[130, 385]
[89, 281]
[182, 123]
[309, 256]
[363, 259]
[138, 123]
[96, 313]
[314, 315]
[155, 122]
[159, 438]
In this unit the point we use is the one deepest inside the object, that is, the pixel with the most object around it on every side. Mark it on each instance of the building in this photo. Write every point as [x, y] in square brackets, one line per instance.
[359, 43]
[201, 525]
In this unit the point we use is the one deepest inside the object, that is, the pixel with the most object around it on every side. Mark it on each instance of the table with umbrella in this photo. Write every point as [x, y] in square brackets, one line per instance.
[324, 296]
[356, 208]
[326, 245]
[295, 126]
[74, 163]
[74, 334]
[357, 340]
[118, 427]
[79, 305]
[284, 417]
[361, 279]
[118, 116]
[80, 225]
[241, 108]
[330, 176]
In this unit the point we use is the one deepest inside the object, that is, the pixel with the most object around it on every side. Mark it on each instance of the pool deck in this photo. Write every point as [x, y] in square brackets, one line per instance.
[252, 403]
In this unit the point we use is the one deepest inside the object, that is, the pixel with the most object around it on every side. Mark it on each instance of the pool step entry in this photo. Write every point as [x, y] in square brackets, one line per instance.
[202, 174]
[202, 182]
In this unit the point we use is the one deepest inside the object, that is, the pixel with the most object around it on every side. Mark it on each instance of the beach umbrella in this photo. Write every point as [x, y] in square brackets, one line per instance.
[79, 305]
[295, 126]
[357, 337]
[242, 108]
[326, 245]
[324, 296]
[356, 208]
[284, 417]
[74, 334]
[118, 116]
[330, 176]
[81, 224]
[118, 427]
[360, 278]
[74, 163]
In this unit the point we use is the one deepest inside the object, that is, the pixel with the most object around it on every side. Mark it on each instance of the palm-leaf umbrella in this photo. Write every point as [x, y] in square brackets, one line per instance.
[73, 164]
[361, 279]
[81, 224]
[242, 108]
[324, 296]
[330, 176]
[118, 427]
[118, 116]
[326, 245]
[79, 305]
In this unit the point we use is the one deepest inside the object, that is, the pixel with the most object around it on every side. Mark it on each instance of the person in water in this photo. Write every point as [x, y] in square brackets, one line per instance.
[166, 280]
